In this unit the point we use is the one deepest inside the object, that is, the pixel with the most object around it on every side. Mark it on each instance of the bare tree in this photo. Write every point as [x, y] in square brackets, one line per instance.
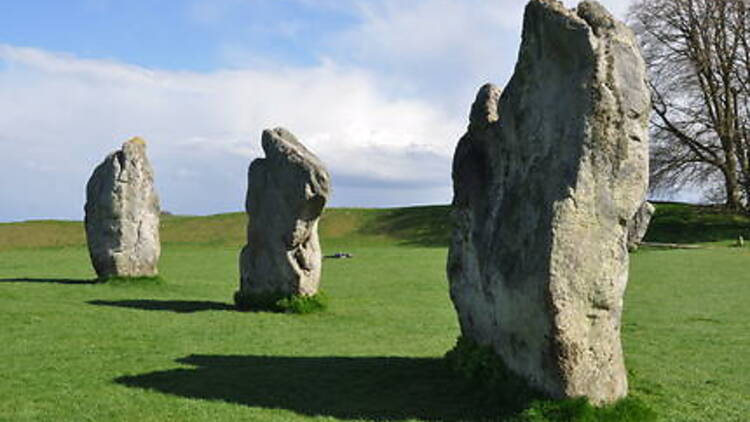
[698, 53]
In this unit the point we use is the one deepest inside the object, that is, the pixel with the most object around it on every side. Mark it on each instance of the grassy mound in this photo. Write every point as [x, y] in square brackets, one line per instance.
[428, 226]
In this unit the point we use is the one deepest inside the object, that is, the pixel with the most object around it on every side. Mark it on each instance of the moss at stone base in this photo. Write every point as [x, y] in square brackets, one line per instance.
[131, 280]
[482, 367]
[280, 302]
[515, 400]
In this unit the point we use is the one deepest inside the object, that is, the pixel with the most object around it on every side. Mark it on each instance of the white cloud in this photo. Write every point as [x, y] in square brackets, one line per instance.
[443, 50]
[60, 115]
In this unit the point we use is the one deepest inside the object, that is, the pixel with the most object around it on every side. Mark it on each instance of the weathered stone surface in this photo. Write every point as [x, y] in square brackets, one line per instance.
[122, 214]
[545, 181]
[638, 225]
[286, 193]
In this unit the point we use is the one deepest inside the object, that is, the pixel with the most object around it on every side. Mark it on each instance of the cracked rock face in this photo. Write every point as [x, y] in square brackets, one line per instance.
[546, 179]
[287, 191]
[122, 214]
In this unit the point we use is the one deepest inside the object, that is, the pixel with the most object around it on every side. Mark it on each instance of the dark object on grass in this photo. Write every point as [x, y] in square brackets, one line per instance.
[340, 255]
[671, 245]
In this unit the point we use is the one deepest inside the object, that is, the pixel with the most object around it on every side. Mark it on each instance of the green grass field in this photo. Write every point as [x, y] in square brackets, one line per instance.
[177, 350]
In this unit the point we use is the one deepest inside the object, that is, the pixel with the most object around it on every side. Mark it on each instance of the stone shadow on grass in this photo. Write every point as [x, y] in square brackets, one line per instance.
[380, 388]
[179, 306]
[49, 280]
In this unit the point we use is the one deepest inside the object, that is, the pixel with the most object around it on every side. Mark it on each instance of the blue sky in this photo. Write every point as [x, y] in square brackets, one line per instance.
[176, 35]
[379, 89]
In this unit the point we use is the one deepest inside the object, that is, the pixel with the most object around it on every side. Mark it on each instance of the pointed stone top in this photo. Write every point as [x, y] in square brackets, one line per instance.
[134, 148]
[134, 145]
[596, 15]
[589, 12]
[279, 143]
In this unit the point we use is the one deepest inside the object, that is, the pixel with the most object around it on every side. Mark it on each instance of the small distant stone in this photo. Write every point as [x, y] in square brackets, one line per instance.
[638, 225]
[122, 214]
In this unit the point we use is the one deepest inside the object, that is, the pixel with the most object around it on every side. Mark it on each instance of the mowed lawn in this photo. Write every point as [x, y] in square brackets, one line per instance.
[74, 350]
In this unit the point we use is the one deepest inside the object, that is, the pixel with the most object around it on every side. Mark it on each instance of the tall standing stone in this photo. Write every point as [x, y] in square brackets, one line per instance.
[545, 181]
[122, 214]
[286, 193]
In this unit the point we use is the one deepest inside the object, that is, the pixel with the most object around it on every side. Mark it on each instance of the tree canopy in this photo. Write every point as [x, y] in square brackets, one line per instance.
[698, 54]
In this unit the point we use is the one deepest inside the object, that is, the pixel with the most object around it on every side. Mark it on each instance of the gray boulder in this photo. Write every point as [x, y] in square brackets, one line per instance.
[638, 225]
[286, 193]
[122, 214]
[546, 179]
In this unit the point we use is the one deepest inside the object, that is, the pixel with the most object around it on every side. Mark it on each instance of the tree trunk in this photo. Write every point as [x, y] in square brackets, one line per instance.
[733, 188]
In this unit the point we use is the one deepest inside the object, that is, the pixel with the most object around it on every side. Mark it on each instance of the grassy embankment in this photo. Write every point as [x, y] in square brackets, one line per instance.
[73, 350]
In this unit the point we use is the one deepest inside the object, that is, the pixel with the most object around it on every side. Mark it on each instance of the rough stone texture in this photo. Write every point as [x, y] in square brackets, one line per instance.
[545, 181]
[286, 194]
[122, 214]
[638, 225]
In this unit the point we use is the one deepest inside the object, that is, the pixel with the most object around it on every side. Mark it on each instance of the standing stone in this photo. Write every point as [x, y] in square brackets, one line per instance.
[286, 194]
[122, 214]
[638, 225]
[545, 181]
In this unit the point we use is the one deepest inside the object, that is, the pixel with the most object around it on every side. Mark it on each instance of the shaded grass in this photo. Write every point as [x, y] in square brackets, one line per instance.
[414, 226]
[682, 223]
[348, 388]
[181, 306]
[47, 280]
